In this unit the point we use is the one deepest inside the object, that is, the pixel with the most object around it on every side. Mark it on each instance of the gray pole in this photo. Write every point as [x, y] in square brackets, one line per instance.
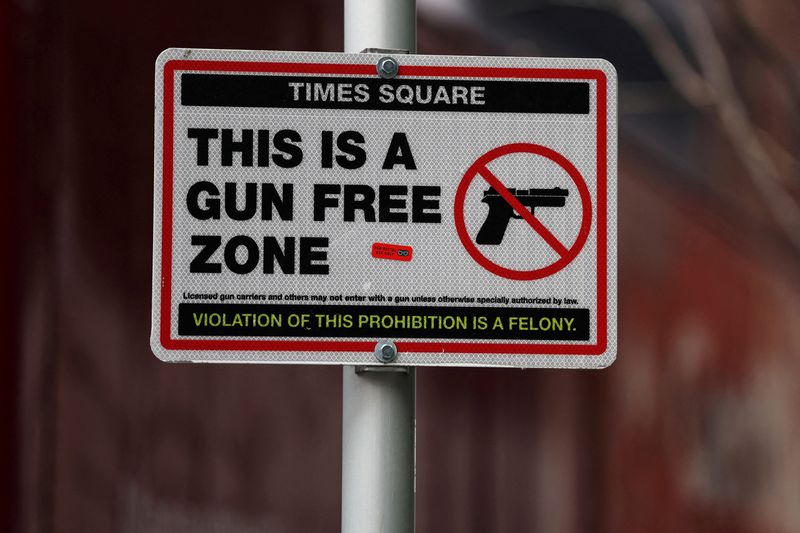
[378, 402]
[390, 24]
[378, 451]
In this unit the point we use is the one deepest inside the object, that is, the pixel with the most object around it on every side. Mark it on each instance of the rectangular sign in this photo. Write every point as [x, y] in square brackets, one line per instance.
[306, 208]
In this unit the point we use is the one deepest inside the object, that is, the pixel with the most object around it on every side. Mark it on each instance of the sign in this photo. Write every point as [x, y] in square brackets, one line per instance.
[306, 207]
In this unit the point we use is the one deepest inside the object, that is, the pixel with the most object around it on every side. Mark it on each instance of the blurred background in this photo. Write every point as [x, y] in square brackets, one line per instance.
[696, 427]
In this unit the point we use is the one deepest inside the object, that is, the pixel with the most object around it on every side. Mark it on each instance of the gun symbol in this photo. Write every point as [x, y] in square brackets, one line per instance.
[501, 212]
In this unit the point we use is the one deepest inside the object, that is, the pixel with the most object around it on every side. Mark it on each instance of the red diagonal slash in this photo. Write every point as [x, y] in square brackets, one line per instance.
[534, 223]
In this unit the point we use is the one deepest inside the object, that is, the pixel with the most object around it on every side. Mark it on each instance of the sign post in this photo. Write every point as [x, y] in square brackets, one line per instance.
[384, 211]
[379, 403]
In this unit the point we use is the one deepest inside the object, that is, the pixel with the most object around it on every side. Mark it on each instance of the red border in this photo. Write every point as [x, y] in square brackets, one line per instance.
[170, 67]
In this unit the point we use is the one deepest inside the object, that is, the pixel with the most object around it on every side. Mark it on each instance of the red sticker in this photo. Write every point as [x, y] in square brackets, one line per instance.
[391, 251]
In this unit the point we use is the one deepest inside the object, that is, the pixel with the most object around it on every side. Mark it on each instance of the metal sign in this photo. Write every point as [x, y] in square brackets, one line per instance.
[448, 210]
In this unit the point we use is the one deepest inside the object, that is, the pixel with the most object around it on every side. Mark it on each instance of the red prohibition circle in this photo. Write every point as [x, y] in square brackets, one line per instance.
[481, 167]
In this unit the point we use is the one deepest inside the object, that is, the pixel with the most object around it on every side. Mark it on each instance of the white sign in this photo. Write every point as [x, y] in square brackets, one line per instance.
[306, 207]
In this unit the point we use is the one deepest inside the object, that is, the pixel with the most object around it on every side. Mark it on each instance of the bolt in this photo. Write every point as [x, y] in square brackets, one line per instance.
[387, 67]
[385, 351]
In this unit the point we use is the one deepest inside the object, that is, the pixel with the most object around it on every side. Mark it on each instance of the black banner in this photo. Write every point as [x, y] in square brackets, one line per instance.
[317, 92]
[378, 321]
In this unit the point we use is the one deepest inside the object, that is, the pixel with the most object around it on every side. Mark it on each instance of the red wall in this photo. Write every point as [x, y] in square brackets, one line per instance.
[692, 429]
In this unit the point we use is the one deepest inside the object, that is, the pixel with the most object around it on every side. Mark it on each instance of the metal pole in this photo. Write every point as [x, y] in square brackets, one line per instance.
[378, 403]
[378, 451]
[380, 24]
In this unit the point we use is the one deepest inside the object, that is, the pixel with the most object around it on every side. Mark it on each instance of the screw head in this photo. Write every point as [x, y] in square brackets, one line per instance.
[385, 351]
[387, 67]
